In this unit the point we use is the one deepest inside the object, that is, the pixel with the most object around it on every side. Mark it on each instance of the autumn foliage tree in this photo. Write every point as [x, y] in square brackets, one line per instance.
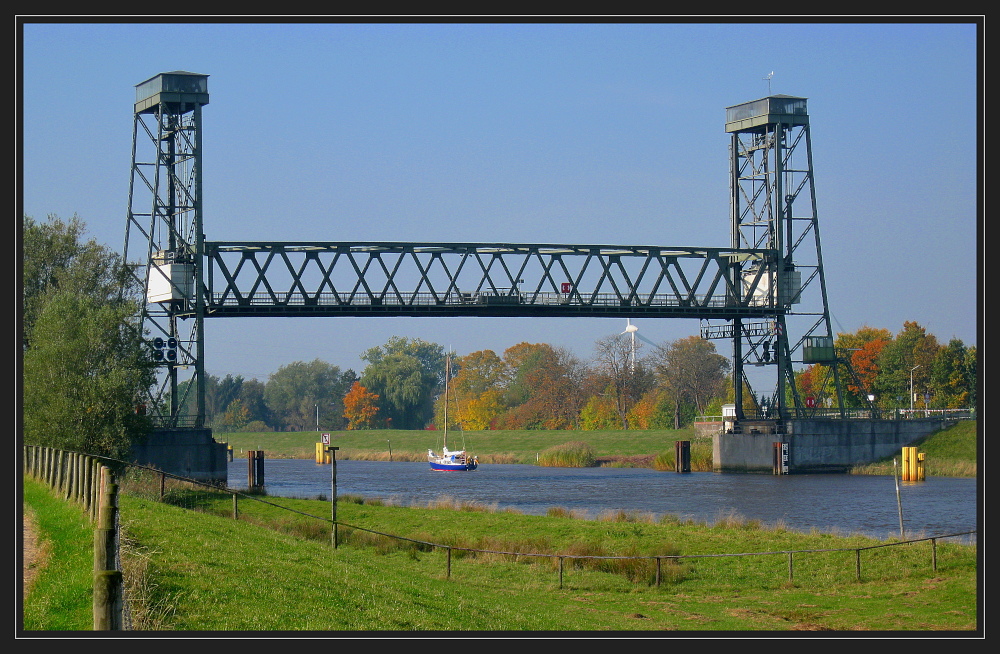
[865, 363]
[542, 389]
[360, 407]
[623, 377]
[475, 396]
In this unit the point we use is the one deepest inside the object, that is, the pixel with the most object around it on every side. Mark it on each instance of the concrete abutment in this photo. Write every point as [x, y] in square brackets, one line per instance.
[817, 445]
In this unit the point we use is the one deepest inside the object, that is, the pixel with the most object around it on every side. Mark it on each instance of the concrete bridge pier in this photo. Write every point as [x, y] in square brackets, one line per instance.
[190, 453]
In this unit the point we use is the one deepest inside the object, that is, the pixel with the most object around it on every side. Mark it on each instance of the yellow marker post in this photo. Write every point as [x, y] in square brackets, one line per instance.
[913, 464]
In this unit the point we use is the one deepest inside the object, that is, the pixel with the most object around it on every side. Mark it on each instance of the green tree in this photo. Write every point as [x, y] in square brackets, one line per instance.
[55, 257]
[236, 416]
[296, 393]
[912, 351]
[219, 394]
[223, 393]
[600, 412]
[251, 396]
[83, 367]
[406, 374]
[953, 376]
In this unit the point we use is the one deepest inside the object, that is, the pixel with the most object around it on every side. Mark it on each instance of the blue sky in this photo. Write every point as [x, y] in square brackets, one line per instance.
[531, 133]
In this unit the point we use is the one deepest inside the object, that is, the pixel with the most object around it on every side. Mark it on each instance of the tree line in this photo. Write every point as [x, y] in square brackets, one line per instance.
[624, 385]
[888, 367]
[527, 386]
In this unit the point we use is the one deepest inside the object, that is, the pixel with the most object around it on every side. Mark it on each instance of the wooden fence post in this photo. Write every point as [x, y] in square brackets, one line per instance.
[95, 489]
[107, 579]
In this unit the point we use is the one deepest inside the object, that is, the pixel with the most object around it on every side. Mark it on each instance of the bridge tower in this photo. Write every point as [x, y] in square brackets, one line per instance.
[164, 241]
[773, 210]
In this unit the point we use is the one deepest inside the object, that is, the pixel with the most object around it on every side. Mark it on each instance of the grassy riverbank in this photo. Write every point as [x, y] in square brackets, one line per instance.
[612, 447]
[274, 570]
[950, 453]
[511, 446]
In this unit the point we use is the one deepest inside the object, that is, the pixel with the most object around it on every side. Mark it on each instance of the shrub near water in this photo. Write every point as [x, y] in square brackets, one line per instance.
[575, 454]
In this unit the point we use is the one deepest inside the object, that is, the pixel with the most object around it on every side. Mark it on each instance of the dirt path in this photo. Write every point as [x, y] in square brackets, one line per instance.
[31, 551]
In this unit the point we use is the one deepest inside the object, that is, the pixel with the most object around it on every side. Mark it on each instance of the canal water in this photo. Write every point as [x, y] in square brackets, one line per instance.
[832, 503]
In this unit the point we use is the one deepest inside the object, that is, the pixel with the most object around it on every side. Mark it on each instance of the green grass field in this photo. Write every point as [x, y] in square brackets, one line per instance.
[275, 570]
[192, 568]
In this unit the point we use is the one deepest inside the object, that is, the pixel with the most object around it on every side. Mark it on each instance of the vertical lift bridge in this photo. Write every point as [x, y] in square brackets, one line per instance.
[765, 292]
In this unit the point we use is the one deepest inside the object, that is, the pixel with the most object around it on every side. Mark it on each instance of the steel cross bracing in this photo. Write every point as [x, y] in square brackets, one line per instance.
[478, 279]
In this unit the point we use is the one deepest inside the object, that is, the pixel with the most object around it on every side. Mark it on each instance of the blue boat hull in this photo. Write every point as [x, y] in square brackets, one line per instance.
[453, 467]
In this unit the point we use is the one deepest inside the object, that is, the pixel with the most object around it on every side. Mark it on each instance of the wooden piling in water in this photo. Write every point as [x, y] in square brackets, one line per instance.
[682, 456]
[255, 468]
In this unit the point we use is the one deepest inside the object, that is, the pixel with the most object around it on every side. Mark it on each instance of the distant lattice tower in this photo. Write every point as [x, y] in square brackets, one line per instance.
[773, 207]
[164, 240]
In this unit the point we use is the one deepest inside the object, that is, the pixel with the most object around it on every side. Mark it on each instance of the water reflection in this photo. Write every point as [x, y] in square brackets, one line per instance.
[838, 503]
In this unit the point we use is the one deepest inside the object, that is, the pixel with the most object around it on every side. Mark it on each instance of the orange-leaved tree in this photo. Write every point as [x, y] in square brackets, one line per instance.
[360, 407]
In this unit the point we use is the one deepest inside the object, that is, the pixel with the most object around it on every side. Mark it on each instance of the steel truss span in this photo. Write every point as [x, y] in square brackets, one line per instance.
[483, 279]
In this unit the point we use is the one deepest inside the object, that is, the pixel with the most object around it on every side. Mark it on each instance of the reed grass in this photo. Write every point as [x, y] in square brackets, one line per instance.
[574, 454]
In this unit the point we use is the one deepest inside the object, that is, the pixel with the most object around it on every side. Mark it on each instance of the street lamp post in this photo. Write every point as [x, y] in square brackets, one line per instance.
[911, 388]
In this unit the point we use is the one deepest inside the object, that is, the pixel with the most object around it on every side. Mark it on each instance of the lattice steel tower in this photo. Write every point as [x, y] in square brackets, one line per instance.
[773, 209]
[164, 240]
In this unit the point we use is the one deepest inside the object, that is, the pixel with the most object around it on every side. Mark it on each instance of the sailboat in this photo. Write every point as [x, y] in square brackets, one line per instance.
[450, 460]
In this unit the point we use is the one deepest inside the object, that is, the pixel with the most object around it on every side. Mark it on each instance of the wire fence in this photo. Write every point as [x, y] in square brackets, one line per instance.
[884, 560]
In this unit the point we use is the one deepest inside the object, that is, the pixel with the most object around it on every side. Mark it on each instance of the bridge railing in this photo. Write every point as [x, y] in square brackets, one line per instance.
[426, 299]
[268, 277]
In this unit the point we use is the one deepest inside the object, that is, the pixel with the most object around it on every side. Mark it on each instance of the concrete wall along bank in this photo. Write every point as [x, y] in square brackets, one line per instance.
[817, 446]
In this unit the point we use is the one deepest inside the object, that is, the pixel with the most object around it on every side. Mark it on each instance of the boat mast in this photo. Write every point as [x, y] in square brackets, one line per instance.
[447, 374]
